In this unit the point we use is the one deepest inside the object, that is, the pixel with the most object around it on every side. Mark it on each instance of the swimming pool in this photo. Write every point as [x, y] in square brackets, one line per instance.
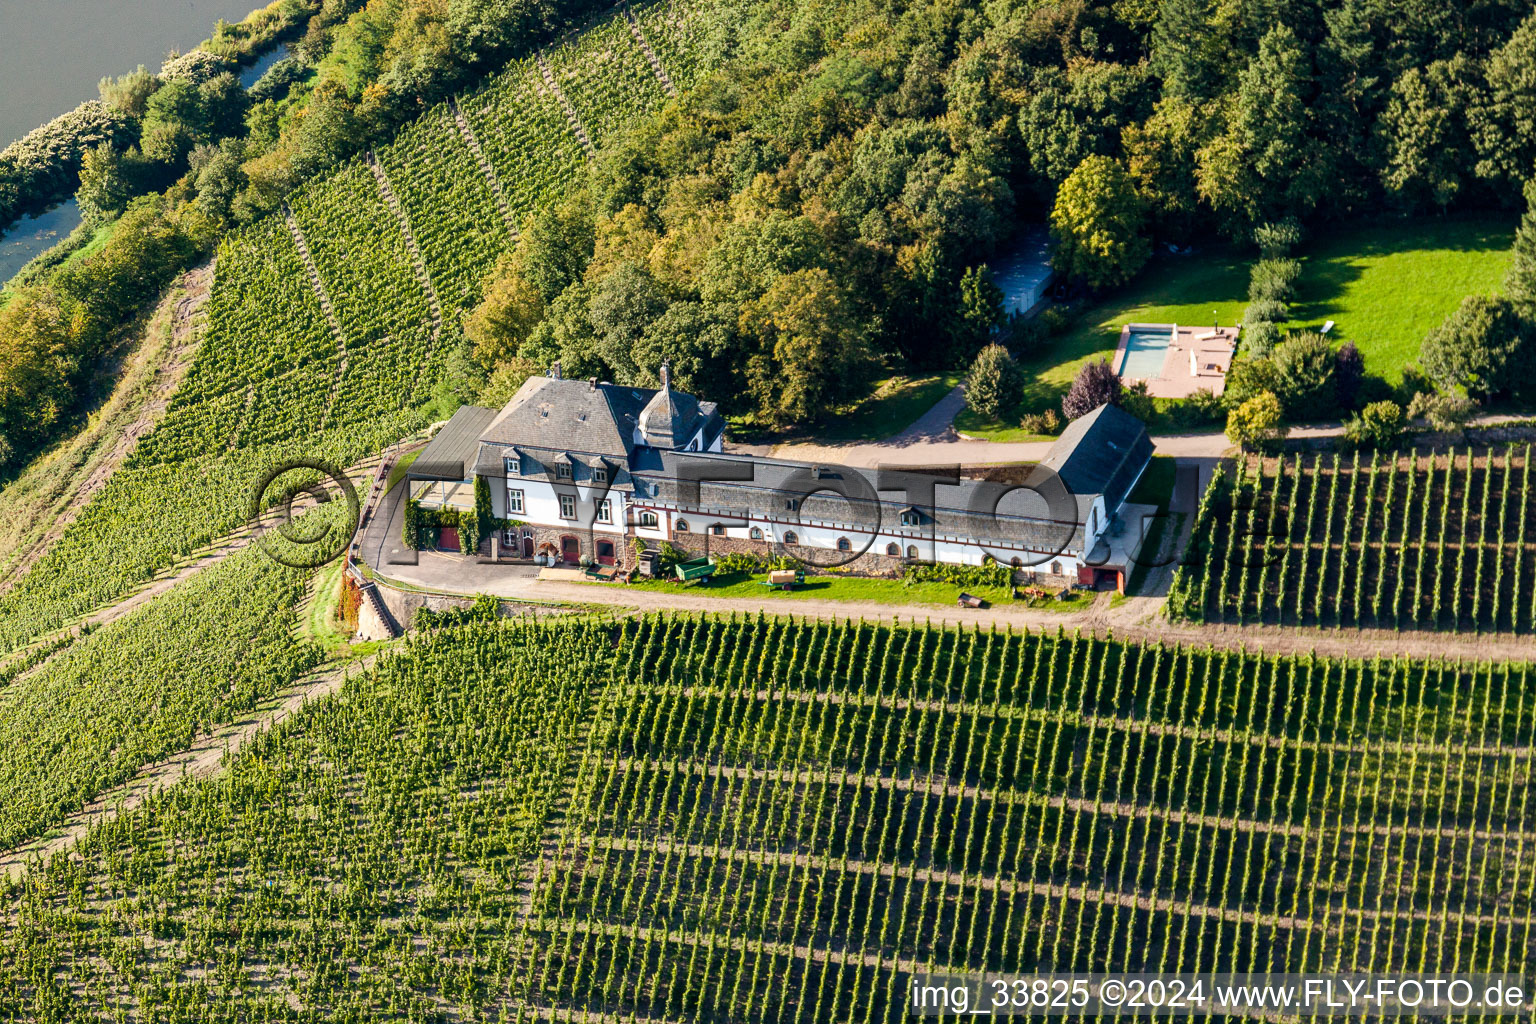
[1145, 348]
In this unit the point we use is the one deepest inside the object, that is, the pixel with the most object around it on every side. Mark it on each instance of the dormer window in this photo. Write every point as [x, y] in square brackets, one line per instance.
[563, 470]
[600, 473]
[911, 517]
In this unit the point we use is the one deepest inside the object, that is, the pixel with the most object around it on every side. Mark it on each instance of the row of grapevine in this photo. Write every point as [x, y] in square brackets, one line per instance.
[361, 255]
[451, 207]
[149, 515]
[146, 685]
[524, 135]
[361, 862]
[268, 318]
[681, 40]
[607, 79]
[769, 820]
[1412, 542]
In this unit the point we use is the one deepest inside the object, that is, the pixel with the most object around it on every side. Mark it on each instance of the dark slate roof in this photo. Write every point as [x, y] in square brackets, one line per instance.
[1103, 452]
[670, 418]
[453, 451]
[578, 416]
[569, 415]
[760, 487]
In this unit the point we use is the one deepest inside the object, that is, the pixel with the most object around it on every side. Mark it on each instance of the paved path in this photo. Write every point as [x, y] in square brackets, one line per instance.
[1132, 620]
[933, 440]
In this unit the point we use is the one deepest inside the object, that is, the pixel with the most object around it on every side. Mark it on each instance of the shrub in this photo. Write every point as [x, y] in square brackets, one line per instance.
[1480, 348]
[669, 557]
[988, 574]
[1379, 425]
[1057, 319]
[993, 385]
[1348, 374]
[1446, 411]
[1304, 374]
[1259, 338]
[1273, 279]
[1277, 240]
[737, 562]
[486, 608]
[195, 66]
[1266, 310]
[1027, 334]
[1047, 422]
[411, 534]
[1256, 423]
[1247, 379]
[1137, 402]
[1201, 409]
[1095, 385]
[1520, 279]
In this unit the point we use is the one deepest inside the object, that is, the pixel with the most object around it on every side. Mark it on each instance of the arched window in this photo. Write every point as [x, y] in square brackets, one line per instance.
[1016, 562]
[911, 550]
[682, 526]
[844, 544]
[716, 530]
[790, 538]
[1055, 568]
[755, 533]
[893, 549]
[647, 517]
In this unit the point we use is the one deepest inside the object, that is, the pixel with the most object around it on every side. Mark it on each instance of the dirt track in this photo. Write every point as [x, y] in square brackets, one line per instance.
[153, 372]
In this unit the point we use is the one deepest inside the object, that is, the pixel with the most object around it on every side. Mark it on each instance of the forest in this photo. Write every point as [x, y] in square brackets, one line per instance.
[824, 207]
[821, 209]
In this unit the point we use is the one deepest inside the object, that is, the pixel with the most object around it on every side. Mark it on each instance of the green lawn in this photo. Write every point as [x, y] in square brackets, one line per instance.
[833, 587]
[828, 588]
[892, 406]
[397, 471]
[1385, 284]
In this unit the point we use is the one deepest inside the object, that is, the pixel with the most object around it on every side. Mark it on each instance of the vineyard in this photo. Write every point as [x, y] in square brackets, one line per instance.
[274, 378]
[144, 686]
[1435, 542]
[764, 820]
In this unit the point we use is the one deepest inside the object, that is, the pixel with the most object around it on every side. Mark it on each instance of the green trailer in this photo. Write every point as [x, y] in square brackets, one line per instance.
[694, 569]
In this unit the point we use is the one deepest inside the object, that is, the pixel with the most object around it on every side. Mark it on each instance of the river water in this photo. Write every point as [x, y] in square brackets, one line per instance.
[52, 54]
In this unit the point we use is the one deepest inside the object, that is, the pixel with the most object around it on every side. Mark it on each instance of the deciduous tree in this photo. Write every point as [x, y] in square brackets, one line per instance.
[1097, 224]
[1095, 385]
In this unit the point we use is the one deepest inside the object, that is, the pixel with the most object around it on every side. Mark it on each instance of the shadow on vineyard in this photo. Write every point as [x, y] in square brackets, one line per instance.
[761, 820]
[1410, 542]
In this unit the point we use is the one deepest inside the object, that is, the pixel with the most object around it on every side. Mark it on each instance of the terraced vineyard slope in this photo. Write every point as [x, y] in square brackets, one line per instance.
[690, 819]
[323, 338]
[1391, 542]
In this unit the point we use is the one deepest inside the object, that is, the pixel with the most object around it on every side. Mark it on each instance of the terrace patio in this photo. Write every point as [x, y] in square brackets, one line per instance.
[1175, 360]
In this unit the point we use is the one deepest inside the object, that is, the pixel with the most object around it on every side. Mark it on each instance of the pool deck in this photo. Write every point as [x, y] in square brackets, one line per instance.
[1197, 358]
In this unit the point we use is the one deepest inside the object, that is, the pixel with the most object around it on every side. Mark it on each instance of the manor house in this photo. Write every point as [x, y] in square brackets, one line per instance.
[586, 469]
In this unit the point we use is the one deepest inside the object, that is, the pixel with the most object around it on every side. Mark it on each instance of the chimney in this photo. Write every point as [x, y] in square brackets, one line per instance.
[665, 373]
[593, 383]
[554, 371]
